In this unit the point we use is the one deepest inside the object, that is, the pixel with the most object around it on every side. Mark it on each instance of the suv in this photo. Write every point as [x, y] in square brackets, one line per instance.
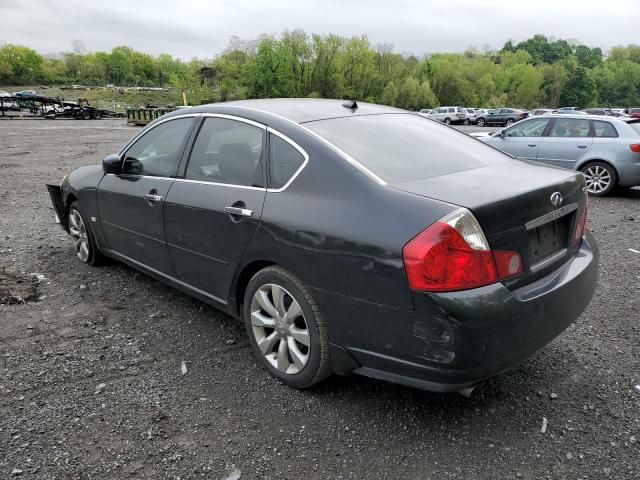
[449, 115]
[501, 116]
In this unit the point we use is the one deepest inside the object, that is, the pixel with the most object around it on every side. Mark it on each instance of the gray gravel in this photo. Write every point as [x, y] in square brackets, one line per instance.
[92, 384]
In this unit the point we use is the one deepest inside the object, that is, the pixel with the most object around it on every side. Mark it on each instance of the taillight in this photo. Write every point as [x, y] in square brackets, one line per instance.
[453, 254]
[522, 114]
[635, 147]
[581, 223]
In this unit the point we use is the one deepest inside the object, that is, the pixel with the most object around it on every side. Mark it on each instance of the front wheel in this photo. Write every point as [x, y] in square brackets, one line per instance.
[466, 121]
[82, 238]
[601, 178]
[287, 332]
[447, 121]
[481, 122]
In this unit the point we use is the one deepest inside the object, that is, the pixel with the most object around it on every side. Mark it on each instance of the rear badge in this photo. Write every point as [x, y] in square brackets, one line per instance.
[556, 199]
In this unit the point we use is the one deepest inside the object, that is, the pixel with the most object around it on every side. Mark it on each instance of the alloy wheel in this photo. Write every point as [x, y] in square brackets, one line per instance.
[79, 235]
[280, 329]
[598, 178]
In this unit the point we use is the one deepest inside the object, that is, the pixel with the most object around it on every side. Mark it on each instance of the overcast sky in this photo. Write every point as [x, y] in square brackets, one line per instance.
[190, 28]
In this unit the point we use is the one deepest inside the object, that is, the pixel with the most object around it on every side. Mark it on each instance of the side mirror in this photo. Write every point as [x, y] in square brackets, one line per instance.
[500, 133]
[112, 164]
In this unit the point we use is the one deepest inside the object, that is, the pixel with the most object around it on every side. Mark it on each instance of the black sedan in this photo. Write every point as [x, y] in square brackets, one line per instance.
[501, 116]
[348, 238]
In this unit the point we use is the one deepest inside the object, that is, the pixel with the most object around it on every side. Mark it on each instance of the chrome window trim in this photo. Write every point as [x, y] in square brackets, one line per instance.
[233, 117]
[232, 185]
[343, 154]
[144, 131]
[138, 176]
[298, 148]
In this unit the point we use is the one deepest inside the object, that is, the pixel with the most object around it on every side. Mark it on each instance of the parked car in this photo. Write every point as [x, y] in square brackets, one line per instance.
[540, 111]
[348, 238]
[597, 111]
[606, 151]
[449, 115]
[501, 116]
[26, 93]
[634, 112]
[619, 112]
[5, 94]
[471, 115]
[571, 109]
[427, 111]
[567, 111]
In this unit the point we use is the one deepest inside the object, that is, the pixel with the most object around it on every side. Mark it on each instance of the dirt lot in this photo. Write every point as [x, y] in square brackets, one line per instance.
[91, 383]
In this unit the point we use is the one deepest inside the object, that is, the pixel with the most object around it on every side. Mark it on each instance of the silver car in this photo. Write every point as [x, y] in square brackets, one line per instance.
[448, 115]
[605, 149]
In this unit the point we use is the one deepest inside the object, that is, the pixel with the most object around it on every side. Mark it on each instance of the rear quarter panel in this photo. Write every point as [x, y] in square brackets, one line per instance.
[339, 231]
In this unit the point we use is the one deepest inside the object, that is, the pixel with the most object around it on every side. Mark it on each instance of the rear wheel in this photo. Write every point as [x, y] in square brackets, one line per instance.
[601, 178]
[86, 115]
[481, 122]
[509, 122]
[466, 121]
[447, 121]
[287, 332]
[82, 238]
[97, 114]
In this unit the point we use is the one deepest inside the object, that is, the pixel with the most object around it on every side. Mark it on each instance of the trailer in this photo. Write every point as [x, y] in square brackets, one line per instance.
[46, 107]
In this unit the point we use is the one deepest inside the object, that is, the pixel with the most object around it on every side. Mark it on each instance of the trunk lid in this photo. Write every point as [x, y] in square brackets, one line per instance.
[513, 204]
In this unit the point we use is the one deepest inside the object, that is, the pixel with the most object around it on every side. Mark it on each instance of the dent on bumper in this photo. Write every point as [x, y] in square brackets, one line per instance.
[455, 340]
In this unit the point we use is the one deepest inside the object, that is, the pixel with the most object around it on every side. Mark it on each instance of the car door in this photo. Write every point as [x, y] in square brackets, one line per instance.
[131, 204]
[211, 213]
[566, 142]
[523, 139]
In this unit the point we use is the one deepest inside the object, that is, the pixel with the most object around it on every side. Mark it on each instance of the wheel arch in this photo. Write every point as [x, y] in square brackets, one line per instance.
[584, 163]
[242, 281]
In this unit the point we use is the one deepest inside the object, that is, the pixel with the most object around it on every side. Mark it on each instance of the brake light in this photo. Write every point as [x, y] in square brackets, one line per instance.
[453, 254]
[581, 224]
[635, 147]
[522, 114]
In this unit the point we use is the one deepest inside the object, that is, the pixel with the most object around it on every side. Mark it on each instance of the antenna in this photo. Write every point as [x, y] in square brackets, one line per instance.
[350, 104]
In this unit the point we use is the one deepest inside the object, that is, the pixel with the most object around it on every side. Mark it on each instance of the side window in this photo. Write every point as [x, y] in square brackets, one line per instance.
[452, 109]
[285, 160]
[227, 151]
[529, 128]
[157, 152]
[604, 129]
[570, 127]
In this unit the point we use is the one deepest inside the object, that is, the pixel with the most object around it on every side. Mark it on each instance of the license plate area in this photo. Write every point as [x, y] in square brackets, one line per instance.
[547, 240]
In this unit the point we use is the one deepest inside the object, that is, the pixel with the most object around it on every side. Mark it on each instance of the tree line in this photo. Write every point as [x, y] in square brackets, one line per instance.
[535, 72]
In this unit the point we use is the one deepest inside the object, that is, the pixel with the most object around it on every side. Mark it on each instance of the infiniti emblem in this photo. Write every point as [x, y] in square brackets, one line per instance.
[556, 199]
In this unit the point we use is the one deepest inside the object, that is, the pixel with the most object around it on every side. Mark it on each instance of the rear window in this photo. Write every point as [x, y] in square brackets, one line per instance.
[404, 147]
[634, 110]
[604, 129]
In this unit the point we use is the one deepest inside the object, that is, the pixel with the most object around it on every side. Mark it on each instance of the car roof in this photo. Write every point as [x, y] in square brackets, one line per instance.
[579, 117]
[301, 110]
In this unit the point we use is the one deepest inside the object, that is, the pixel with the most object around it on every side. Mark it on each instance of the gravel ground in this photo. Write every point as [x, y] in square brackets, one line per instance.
[91, 384]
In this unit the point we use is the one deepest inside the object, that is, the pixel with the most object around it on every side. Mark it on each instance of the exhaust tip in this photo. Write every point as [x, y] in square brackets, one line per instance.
[466, 392]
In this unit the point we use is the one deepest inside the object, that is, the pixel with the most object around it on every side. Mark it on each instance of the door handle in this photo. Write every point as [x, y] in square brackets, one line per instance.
[582, 146]
[533, 144]
[242, 212]
[152, 197]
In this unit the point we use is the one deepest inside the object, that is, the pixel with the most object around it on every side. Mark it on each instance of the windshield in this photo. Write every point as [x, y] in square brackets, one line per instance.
[403, 147]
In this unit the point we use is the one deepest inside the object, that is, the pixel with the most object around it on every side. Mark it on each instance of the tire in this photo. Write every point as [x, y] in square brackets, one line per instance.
[447, 121]
[279, 343]
[509, 122]
[86, 115]
[601, 178]
[97, 114]
[481, 122]
[83, 240]
[466, 121]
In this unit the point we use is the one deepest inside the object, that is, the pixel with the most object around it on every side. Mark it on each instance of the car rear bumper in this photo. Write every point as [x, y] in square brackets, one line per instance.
[629, 172]
[454, 340]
